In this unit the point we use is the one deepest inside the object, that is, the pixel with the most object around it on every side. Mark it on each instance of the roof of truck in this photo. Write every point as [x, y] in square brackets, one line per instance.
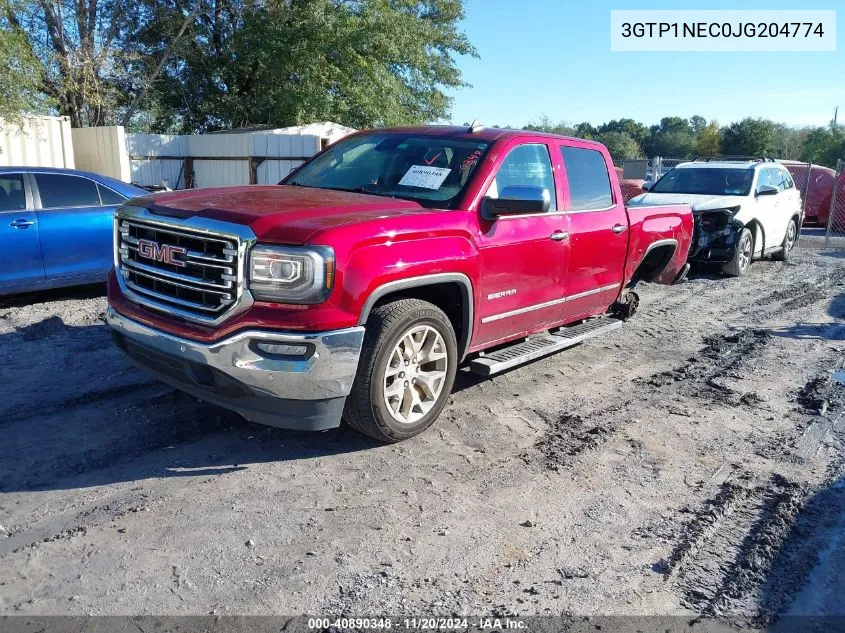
[463, 132]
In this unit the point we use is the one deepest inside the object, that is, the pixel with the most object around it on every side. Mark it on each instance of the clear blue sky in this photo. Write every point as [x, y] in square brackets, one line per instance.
[553, 57]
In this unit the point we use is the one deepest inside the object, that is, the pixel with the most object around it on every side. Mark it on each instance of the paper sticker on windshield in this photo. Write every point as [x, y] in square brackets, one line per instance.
[425, 177]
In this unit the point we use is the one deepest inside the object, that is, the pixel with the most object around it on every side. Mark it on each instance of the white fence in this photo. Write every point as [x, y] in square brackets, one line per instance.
[38, 142]
[182, 162]
[213, 160]
[102, 150]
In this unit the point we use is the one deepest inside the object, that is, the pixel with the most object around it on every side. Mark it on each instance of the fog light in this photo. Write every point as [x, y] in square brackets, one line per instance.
[283, 349]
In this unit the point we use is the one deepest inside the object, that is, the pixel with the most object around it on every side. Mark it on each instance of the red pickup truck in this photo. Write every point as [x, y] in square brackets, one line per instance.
[356, 287]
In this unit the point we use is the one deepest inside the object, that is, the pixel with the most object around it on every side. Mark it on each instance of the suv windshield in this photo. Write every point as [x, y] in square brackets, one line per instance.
[431, 170]
[706, 180]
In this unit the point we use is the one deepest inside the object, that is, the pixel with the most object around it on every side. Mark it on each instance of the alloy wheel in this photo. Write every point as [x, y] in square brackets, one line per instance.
[790, 236]
[415, 374]
[745, 247]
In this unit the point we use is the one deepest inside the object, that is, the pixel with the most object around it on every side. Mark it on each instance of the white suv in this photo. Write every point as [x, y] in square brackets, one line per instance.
[744, 209]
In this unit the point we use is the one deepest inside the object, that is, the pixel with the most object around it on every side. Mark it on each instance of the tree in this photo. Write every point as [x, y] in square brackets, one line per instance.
[750, 137]
[545, 124]
[824, 146]
[709, 140]
[635, 130]
[673, 138]
[584, 130]
[20, 83]
[790, 141]
[697, 124]
[286, 62]
[82, 52]
[621, 146]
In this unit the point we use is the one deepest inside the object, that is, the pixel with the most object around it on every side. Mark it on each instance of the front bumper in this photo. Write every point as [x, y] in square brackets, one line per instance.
[305, 392]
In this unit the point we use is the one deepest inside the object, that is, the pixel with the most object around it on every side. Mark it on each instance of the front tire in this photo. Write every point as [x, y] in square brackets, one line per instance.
[406, 371]
[788, 244]
[743, 255]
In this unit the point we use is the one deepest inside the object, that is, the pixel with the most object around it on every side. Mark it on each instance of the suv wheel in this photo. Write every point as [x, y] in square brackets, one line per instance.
[738, 266]
[788, 242]
[406, 371]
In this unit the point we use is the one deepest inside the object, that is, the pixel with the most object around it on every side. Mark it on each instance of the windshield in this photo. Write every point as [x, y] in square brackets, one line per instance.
[431, 170]
[706, 180]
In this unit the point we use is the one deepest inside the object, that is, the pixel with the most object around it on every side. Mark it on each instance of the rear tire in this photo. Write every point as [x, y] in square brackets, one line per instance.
[743, 255]
[406, 371]
[788, 244]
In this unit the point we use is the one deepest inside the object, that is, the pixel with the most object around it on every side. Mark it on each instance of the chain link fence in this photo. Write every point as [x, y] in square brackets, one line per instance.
[835, 233]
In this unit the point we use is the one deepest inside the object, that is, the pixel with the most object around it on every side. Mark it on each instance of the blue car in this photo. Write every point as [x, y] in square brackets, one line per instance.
[56, 227]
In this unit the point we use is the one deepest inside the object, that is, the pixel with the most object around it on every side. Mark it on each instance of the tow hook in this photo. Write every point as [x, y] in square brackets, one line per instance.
[626, 305]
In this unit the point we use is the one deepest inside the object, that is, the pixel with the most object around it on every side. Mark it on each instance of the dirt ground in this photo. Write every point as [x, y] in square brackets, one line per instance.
[688, 463]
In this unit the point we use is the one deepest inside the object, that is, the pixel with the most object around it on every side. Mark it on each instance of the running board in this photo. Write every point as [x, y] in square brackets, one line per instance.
[542, 345]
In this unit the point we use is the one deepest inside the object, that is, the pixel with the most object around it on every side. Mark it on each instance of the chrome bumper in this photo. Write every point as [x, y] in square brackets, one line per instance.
[264, 387]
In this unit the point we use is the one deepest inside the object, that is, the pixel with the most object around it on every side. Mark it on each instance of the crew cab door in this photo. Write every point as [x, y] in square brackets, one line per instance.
[598, 230]
[523, 258]
[20, 252]
[75, 217]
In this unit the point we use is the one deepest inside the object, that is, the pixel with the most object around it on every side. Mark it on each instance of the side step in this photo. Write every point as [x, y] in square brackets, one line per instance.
[542, 345]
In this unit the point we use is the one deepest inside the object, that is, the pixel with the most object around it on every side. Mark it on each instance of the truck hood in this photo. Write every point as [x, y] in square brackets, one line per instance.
[698, 202]
[278, 212]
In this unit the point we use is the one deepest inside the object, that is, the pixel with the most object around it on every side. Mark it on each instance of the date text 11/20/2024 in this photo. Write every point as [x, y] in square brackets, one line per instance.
[420, 624]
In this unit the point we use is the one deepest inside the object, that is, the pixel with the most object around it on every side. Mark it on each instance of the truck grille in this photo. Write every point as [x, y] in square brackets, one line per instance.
[193, 272]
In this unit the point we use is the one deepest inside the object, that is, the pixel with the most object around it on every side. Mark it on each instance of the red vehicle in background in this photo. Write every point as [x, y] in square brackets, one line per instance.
[816, 184]
[357, 286]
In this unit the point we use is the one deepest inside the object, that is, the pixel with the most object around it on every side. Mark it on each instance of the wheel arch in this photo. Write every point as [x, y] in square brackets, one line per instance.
[656, 258]
[756, 228]
[451, 292]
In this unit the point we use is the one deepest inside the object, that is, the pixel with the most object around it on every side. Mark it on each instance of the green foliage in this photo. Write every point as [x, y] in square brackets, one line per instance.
[20, 79]
[709, 141]
[365, 63]
[620, 145]
[633, 129]
[545, 124]
[824, 145]
[83, 52]
[673, 137]
[751, 137]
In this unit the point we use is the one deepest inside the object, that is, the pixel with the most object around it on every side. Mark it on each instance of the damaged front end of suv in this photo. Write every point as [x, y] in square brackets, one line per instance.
[716, 235]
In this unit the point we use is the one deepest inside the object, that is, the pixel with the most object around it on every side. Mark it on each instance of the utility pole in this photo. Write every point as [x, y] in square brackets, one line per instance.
[835, 117]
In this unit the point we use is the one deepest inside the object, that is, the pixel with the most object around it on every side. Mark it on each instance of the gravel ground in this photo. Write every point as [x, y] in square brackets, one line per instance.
[688, 463]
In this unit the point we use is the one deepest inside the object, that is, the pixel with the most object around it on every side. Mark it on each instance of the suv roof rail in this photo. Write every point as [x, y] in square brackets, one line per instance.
[732, 158]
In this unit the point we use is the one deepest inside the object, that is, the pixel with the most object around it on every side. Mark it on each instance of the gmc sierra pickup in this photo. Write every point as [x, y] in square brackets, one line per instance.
[356, 287]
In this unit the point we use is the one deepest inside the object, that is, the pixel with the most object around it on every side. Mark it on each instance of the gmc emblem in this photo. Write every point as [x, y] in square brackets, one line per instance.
[161, 252]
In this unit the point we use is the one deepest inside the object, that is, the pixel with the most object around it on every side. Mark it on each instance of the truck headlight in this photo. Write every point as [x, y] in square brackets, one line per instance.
[291, 274]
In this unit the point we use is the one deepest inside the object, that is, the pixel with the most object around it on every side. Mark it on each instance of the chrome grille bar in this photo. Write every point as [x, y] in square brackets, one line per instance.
[203, 282]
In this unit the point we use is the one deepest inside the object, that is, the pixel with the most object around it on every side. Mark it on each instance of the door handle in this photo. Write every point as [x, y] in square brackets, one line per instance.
[618, 228]
[559, 236]
[21, 223]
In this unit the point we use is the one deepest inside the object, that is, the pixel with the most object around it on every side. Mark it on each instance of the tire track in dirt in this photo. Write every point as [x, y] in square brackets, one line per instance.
[726, 551]
[745, 552]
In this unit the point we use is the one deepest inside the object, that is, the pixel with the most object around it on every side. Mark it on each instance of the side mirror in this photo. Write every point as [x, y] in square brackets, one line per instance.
[767, 190]
[518, 200]
[646, 186]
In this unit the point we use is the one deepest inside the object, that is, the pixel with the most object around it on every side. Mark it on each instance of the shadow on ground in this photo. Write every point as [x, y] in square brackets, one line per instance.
[96, 420]
[90, 291]
[805, 584]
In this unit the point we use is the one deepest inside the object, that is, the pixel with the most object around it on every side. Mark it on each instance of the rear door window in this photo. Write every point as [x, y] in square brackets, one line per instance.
[589, 182]
[12, 193]
[776, 178]
[787, 179]
[60, 190]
